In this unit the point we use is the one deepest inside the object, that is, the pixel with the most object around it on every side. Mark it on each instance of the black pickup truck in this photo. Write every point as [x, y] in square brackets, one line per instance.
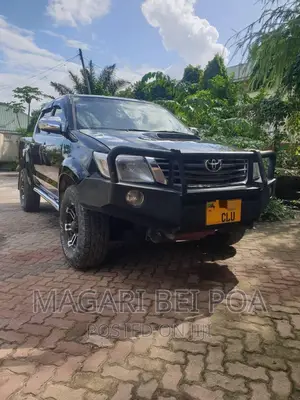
[116, 167]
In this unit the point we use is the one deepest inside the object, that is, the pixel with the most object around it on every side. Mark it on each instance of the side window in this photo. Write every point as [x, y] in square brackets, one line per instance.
[59, 112]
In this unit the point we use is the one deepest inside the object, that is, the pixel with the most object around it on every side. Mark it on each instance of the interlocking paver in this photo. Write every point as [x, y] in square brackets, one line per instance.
[72, 348]
[164, 354]
[210, 354]
[36, 381]
[296, 321]
[18, 366]
[226, 382]
[61, 392]
[281, 384]
[239, 369]
[120, 352]
[95, 396]
[123, 392]
[10, 384]
[93, 381]
[284, 328]
[147, 390]
[51, 341]
[172, 377]
[215, 358]
[266, 361]
[142, 344]
[189, 347]
[121, 373]
[234, 350]
[259, 391]
[295, 368]
[94, 361]
[145, 363]
[194, 367]
[65, 372]
[253, 342]
[198, 392]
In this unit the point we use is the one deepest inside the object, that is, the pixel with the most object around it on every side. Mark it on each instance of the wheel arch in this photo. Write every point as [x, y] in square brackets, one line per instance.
[66, 179]
[70, 173]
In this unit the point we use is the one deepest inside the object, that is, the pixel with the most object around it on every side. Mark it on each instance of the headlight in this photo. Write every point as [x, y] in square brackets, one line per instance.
[133, 169]
[256, 171]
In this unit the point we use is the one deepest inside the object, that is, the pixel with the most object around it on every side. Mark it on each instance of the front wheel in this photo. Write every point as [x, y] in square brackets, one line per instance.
[84, 234]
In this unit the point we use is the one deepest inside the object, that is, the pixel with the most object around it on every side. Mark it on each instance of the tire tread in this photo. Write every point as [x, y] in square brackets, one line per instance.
[95, 234]
[31, 198]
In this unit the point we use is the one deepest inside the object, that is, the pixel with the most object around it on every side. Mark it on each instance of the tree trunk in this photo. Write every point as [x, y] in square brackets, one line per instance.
[28, 116]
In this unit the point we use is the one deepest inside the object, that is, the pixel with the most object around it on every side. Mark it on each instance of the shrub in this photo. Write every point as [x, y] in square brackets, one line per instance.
[276, 210]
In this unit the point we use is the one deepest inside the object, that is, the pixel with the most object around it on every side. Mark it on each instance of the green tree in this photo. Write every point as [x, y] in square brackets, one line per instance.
[127, 92]
[33, 120]
[272, 43]
[106, 83]
[155, 86]
[16, 108]
[273, 111]
[224, 88]
[214, 67]
[26, 94]
[192, 74]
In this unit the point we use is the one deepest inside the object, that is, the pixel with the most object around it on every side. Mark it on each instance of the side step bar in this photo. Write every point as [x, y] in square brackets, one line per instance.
[47, 198]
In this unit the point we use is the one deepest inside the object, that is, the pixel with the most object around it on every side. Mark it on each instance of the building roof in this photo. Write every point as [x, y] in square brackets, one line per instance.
[9, 120]
[241, 72]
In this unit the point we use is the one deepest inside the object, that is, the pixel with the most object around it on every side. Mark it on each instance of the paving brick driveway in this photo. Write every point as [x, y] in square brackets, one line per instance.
[101, 337]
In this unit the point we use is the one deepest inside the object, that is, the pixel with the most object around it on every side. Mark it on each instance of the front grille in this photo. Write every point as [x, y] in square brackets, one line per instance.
[197, 175]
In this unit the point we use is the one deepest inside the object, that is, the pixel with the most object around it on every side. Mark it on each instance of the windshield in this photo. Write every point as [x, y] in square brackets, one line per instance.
[101, 113]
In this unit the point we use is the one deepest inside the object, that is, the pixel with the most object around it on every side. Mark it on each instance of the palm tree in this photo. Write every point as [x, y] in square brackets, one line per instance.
[105, 83]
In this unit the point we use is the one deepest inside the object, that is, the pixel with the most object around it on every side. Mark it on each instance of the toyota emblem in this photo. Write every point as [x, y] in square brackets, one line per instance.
[213, 165]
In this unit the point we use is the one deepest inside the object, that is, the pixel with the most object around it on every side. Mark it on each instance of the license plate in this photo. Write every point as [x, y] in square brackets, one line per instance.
[223, 211]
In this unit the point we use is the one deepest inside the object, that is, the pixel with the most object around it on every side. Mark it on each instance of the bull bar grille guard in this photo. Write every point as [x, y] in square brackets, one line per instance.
[175, 157]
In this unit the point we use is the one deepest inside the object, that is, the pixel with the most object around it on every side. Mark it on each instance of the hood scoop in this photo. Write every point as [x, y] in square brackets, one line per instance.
[169, 136]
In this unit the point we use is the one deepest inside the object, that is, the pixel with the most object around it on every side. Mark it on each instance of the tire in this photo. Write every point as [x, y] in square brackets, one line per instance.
[88, 248]
[230, 238]
[29, 199]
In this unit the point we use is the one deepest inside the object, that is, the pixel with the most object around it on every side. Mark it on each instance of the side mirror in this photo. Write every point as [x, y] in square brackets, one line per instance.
[50, 124]
[194, 130]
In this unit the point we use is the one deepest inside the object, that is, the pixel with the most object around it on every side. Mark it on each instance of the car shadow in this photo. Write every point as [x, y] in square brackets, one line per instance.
[167, 285]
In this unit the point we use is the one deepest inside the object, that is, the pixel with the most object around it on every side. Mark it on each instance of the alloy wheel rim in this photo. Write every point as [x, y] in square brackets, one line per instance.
[71, 226]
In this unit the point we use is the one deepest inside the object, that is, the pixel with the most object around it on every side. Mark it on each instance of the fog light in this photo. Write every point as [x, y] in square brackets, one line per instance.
[135, 198]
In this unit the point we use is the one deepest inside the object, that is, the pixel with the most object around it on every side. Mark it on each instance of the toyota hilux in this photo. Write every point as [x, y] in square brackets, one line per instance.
[116, 167]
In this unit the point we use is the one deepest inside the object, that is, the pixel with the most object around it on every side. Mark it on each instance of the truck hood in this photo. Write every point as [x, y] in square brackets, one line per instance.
[186, 143]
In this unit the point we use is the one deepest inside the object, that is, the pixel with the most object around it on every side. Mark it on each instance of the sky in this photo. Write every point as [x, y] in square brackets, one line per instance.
[39, 39]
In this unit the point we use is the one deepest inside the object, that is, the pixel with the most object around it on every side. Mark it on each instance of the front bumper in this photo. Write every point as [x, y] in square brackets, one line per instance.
[170, 207]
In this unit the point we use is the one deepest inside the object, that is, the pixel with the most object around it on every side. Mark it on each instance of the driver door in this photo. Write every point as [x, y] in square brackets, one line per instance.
[50, 151]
